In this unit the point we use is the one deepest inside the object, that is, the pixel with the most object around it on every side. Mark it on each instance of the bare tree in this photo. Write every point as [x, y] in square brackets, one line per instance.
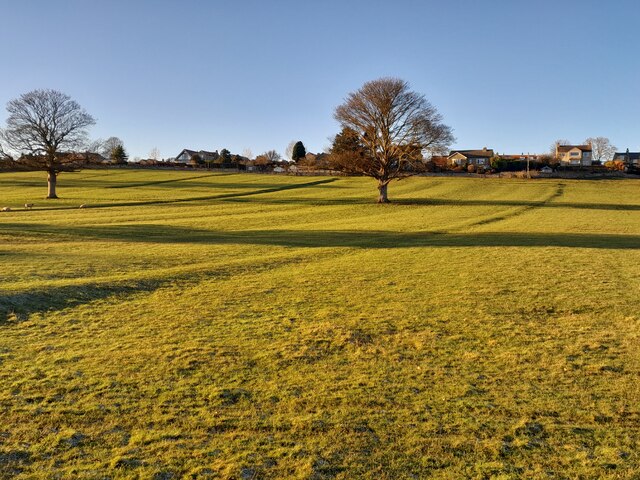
[553, 149]
[46, 126]
[601, 149]
[104, 147]
[109, 145]
[154, 154]
[247, 153]
[96, 146]
[288, 153]
[4, 155]
[272, 156]
[395, 126]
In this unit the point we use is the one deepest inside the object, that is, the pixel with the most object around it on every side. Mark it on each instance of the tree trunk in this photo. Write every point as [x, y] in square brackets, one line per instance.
[52, 177]
[382, 188]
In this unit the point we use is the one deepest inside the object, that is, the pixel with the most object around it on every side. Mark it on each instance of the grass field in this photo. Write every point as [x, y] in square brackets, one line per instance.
[197, 325]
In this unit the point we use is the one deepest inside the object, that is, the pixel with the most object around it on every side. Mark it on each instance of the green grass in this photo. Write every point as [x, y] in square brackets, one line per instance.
[196, 325]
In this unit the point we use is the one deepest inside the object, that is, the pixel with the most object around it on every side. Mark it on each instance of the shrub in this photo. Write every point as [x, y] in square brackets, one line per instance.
[615, 165]
[497, 163]
[471, 169]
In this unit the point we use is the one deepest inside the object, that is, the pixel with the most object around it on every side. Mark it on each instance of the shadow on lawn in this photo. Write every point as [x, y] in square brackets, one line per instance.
[162, 182]
[150, 233]
[25, 303]
[21, 305]
[520, 203]
[17, 306]
[220, 196]
[549, 202]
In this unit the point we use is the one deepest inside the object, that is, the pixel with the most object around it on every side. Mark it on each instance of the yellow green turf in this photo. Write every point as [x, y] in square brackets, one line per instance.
[202, 325]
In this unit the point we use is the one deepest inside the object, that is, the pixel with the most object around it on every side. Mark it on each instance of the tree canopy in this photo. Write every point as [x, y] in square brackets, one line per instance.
[601, 148]
[118, 155]
[298, 151]
[272, 156]
[394, 127]
[47, 126]
[225, 158]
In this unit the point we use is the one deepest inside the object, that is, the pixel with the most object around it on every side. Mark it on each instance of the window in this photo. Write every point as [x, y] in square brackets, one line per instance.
[575, 154]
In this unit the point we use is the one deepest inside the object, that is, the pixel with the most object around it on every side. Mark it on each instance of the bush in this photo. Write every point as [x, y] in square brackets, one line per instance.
[471, 169]
[497, 163]
[616, 165]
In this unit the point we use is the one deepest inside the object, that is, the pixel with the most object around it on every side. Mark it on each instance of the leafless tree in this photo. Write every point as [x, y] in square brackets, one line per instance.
[272, 156]
[247, 153]
[288, 153]
[154, 154]
[95, 146]
[602, 150]
[104, 147]
[109, 145]
[4, 155]
[558, 143]
[396, 126]
[46, 126]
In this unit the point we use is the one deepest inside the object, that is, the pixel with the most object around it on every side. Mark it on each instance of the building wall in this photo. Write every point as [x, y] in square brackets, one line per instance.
[575, 156]
[572, 157]
[458, 159]
[184, 157]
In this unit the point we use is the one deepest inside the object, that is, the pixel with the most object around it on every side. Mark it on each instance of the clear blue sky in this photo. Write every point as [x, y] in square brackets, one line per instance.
[513, 75]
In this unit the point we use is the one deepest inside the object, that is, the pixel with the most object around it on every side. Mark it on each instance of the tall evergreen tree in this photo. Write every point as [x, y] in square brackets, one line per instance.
[298, 151]
[118, 155]
[225, 157]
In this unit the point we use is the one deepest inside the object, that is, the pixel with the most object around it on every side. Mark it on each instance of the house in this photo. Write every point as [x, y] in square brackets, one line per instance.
[628, 158]
[186, 155]
[574, 154]
[470, 157]
[523, 157]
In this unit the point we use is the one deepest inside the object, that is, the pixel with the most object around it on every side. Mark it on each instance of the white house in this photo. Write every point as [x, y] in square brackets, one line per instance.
[186, 155]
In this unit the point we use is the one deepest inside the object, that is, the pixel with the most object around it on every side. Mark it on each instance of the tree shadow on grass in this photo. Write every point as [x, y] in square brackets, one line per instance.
[56, 298]
[162, 182]
[443, 202]
[519, 203]
[20, 305]
[152, 233]
[242, 197]
[220, 196]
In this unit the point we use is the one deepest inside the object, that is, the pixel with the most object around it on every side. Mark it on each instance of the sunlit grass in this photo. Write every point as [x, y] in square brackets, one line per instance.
[191, 324]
